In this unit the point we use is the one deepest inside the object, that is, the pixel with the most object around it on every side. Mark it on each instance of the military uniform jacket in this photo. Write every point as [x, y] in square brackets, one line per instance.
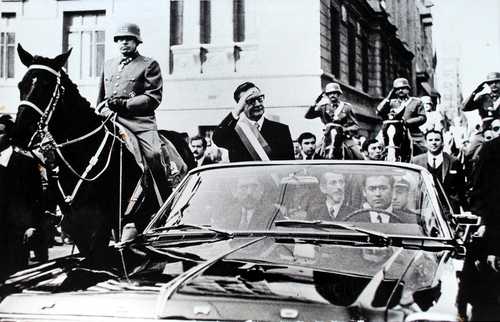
[485, 104]
[413, 113]
[139, 82]
[345, 117]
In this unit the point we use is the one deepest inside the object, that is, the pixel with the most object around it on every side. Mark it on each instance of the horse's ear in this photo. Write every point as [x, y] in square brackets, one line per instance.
[60, 60]
[26, 57]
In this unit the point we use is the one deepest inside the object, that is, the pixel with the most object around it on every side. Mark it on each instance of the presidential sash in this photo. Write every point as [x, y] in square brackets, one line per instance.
[253, 140]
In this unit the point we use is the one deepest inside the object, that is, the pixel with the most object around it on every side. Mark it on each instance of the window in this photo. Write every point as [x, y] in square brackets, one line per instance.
[335, 41]
[238, 20]
[351, 40]
[7, 46]
[205, 23]
[176, 21]
[176, 25]
[84, 32]
[364, 63]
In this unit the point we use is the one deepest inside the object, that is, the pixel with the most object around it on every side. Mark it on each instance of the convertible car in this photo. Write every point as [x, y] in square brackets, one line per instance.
[268, 241]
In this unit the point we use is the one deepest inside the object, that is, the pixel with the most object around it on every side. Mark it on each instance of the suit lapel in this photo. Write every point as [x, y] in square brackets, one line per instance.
[446, 165]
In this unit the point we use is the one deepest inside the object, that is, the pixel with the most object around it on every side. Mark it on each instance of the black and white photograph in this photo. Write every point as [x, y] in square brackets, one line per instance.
[249, 160]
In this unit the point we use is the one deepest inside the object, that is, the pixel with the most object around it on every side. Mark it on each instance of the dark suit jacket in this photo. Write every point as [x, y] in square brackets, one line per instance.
[323, 214]
[259, 220]
[276, 134]
[406, 216]
[413, 114]
[453, 178]
[206, 161]
[486, 194]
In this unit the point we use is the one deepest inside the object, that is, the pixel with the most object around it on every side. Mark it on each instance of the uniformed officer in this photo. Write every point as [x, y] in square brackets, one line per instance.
[399, 105]
[486, 99]
[132, 86]
[330, 109]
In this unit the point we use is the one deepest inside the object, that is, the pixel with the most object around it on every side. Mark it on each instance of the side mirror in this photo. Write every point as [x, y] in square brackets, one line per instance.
[466, 218]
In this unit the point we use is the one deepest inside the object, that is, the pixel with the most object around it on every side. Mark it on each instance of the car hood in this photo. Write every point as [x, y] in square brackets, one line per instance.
[264, 278]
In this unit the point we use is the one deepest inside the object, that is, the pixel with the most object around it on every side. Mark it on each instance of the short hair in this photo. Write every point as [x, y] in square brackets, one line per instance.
[305, 136]
[367, 143]
[434, 131]
[391, 178]
[199, 137]
[242, 88]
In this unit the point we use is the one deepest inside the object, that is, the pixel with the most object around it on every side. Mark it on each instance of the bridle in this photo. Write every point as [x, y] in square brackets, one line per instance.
[48, 147]
[45, 114]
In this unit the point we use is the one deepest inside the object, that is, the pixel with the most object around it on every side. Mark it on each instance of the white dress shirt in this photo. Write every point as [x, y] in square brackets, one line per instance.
[438, 158]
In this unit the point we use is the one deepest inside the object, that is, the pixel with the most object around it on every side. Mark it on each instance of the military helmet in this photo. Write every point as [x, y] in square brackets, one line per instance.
[128, 30]
[401, 82]
[333, 87]
[493, 77]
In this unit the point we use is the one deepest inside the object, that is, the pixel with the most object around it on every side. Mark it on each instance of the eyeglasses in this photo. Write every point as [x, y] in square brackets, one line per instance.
[254, 100]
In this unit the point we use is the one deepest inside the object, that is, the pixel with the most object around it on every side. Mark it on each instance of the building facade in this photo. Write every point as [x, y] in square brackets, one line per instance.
[289, 48]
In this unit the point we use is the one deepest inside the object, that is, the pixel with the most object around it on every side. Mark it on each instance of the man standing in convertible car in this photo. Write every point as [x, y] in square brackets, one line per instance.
[248, 135]
[132, 85]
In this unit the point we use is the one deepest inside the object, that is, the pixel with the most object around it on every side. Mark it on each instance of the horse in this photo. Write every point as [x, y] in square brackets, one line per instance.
[397, 139]
[94, 174]
[334, 143]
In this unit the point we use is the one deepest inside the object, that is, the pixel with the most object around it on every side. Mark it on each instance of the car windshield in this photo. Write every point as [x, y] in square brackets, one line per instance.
[384, 198]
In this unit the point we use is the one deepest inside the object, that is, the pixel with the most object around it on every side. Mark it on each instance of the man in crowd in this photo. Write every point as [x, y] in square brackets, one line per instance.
[444, 168]
[333, 187]
[132, 87]
[483, 279]
[247, 134]
[198, 146]
[330, 109]
[378, 192]
[307, 143]
[485, 98]
[435, 120]
[400, 196]
[399, 105]
[373, 150]
[249, 202]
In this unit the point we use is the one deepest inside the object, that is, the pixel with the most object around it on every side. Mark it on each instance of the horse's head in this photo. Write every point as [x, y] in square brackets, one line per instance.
[40, 91]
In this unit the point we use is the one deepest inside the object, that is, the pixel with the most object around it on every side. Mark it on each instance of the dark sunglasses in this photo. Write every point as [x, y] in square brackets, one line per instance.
[253, 100]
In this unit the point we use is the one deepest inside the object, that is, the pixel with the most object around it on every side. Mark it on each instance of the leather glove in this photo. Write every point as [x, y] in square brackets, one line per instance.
[117, 104]
[320, 96]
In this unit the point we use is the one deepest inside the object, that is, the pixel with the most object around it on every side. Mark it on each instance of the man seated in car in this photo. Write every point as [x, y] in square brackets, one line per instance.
[248, 209]
[333, 203]
[378, 192]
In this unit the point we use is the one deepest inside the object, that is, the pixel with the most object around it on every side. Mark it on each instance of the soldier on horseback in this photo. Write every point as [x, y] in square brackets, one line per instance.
[340, 124]
[405, 113]
[131, 85]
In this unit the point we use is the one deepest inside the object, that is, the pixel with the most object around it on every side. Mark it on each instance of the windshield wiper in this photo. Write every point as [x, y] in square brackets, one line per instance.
[375, 236]
[191, 226]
